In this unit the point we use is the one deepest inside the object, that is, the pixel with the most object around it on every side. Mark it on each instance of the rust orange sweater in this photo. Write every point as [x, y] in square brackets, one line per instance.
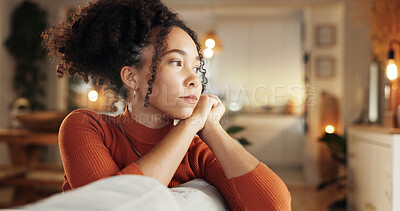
[93, 147]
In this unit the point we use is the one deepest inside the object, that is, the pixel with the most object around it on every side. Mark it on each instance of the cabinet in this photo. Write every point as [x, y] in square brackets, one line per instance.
[373, 169]
[276, 140]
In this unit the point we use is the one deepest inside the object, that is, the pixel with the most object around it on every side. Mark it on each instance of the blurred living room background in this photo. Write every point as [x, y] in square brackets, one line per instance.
[295, 77]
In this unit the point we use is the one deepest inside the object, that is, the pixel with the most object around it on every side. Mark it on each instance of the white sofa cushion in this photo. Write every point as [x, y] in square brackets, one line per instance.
[134, 192]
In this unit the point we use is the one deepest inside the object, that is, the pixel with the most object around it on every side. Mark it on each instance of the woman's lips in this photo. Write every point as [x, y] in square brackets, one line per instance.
[192, 99]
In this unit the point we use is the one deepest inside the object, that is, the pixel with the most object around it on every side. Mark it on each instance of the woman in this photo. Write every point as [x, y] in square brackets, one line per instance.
[150, 58]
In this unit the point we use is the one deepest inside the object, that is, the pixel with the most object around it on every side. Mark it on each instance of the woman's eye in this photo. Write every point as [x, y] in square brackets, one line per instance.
[177, 63]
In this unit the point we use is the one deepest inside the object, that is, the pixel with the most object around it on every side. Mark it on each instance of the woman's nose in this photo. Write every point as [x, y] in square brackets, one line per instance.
[192, 79]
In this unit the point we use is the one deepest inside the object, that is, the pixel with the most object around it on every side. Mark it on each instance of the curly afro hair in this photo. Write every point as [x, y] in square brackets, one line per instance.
[107, 35]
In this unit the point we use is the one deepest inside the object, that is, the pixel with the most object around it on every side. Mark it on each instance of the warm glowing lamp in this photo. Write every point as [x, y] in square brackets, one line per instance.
[210, 43]
[391, 69]
[329, 129]
[93, 95]
[208, 53]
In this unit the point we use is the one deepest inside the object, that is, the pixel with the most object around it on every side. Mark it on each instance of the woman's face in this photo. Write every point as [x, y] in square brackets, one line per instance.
[177, 87]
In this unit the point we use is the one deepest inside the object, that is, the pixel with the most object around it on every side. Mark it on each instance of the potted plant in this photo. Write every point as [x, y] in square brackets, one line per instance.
[338, 148]
[24, 44]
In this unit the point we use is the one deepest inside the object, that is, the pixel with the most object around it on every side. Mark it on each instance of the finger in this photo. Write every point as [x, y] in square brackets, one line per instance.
[213, 101]
[218, 101]
[209, 97]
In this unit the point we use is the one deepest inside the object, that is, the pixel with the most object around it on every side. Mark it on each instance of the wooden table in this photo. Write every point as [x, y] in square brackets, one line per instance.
[25, 147]
[23, 136]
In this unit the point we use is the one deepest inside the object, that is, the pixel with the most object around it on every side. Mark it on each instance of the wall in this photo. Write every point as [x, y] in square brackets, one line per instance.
[314, 16]
[357, 64]
[261, 63]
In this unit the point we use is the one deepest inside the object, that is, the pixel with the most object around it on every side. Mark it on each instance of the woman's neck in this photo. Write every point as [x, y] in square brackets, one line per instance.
[149, 117]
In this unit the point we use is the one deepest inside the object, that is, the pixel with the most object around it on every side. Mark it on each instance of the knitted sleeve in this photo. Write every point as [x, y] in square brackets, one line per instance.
[259, 189]
[83, 151]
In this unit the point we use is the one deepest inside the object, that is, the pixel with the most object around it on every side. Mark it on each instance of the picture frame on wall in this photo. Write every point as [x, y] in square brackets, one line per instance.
[325, 67]
[325, 35]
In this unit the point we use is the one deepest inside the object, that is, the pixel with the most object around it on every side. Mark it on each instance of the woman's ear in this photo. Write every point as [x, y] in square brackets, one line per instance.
[129, 77]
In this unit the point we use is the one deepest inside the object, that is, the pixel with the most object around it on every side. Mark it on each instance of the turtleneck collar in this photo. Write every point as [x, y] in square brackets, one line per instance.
[140, 132]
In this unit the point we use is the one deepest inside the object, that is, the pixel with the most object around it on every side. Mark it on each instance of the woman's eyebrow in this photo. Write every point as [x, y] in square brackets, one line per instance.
[182, 52]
